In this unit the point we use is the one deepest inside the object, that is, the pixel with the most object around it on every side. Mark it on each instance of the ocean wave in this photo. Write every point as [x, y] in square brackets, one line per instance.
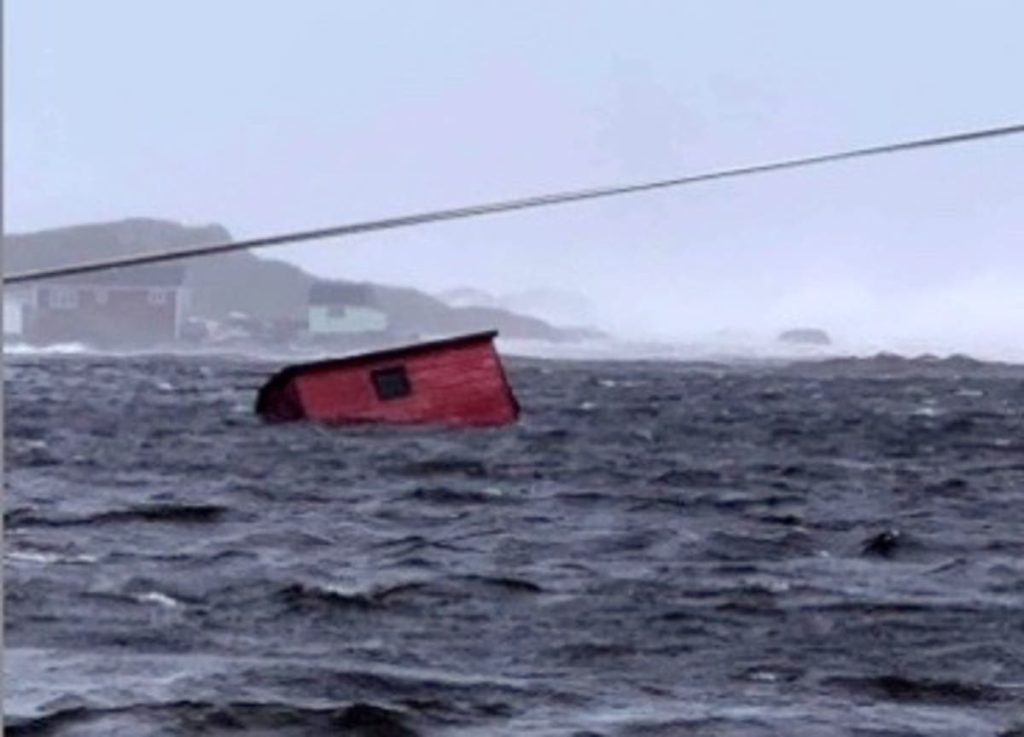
[201, 718]
[743, 549]
[42, 557]
[180, 514]
[907, 689]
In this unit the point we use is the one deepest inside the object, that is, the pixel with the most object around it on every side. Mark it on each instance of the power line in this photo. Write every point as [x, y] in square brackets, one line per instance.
[493, 208]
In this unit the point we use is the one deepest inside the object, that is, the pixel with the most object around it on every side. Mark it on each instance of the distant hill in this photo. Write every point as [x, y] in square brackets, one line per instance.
[244, 282]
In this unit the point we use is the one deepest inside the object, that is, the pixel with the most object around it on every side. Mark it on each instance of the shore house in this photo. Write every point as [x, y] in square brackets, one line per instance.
[342, 308]
[141, 305]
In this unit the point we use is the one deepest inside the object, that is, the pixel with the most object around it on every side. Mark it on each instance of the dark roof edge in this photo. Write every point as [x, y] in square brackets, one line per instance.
[382, 355]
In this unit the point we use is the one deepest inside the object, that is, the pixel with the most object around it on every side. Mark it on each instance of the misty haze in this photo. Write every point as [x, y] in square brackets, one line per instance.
[322, 125]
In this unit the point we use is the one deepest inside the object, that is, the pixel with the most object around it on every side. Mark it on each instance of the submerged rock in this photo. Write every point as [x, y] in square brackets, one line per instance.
[884, 544]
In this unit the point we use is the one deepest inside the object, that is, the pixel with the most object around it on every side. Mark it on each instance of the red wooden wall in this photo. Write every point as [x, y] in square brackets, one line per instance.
[457, 384]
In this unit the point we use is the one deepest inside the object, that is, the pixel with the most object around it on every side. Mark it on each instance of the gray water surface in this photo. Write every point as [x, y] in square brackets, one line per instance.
[655, 549]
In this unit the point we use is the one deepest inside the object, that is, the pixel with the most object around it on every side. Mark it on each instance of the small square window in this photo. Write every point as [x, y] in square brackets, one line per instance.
[391, 383]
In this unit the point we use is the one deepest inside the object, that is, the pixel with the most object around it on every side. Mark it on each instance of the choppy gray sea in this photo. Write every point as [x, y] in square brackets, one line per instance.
[655, 549]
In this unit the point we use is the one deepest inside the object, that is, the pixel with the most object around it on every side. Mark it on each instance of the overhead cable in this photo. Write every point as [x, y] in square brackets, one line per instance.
[493, 208]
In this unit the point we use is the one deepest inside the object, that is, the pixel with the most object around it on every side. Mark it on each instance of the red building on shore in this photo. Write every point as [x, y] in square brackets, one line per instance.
[140, 306]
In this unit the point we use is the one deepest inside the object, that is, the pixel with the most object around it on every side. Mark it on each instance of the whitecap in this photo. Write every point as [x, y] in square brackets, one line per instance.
[155, 597]
[43, 558]
[58, 349]
[971, 393]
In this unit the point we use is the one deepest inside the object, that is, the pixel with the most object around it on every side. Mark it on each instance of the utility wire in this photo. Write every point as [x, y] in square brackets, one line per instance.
[493, 208]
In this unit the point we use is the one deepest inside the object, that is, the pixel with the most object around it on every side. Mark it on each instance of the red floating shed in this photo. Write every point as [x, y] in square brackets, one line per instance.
[457, 381]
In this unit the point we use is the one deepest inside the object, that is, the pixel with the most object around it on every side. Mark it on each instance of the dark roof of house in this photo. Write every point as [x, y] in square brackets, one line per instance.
[286, 374]
[340, 293]
[151, 275]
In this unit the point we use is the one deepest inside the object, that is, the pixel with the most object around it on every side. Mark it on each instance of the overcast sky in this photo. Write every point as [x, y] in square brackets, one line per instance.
[266, 115]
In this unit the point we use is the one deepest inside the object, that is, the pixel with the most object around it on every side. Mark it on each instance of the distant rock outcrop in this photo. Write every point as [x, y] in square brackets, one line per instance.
[805, 336]
[241, 282]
